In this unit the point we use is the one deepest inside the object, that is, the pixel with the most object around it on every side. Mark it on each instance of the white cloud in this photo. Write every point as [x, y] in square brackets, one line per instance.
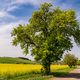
[4, 6]
[12, 5]
[33, 2]
[4, 14]
[12, 8]
[6, 29]
[6, 48]
[15, 4]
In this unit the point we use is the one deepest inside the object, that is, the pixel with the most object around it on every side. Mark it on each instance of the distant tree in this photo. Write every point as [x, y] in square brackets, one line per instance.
[70, 60]
[78, 62]
[48, 34]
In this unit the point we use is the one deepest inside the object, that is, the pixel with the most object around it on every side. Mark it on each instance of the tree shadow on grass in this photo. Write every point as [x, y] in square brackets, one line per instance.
[66, 75]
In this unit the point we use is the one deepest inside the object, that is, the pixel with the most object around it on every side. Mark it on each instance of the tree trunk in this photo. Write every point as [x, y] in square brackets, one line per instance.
[46, 62]
[47, 69]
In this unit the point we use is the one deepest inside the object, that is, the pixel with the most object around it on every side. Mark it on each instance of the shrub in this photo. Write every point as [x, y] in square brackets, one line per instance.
[70, 60]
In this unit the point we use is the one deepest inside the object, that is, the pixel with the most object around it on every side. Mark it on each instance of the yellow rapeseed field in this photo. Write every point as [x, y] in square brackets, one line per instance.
[17, 69]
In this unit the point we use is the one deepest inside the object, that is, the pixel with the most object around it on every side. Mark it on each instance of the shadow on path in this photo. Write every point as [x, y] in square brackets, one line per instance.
[69, 75]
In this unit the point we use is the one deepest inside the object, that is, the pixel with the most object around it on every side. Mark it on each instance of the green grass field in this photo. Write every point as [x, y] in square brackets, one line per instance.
[11, 60]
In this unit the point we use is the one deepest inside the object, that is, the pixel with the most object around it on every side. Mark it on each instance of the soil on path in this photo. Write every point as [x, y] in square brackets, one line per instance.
[73, 75]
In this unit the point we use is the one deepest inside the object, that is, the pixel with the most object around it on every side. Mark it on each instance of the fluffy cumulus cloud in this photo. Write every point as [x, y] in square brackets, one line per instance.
[6, 48]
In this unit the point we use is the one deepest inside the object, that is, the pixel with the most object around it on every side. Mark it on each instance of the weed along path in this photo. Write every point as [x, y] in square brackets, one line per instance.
[73, 75]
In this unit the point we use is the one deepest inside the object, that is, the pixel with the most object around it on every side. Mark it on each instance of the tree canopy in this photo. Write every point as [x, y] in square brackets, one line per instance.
[48, 34]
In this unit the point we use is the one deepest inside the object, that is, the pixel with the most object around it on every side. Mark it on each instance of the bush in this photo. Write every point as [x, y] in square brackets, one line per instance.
[70, 60]
[78, 62]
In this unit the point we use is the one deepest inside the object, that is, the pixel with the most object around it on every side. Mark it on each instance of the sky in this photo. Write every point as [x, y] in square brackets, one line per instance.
[15, 12]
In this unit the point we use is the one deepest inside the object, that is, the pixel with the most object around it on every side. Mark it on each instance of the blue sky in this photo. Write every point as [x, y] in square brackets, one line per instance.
[14, 12]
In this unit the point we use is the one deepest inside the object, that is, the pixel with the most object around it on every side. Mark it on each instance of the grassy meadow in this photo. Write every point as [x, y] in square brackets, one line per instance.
[10, 60]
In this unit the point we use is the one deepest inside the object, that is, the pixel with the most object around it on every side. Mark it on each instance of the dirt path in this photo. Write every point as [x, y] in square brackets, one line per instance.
[73, 75]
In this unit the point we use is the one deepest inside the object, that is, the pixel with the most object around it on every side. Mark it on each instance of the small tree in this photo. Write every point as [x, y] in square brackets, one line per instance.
[70, 60]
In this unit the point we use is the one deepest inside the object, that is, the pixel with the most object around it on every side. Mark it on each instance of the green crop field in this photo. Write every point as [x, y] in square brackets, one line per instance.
[11, 60]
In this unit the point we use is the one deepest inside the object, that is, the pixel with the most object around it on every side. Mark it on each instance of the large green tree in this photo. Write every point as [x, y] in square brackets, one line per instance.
[48, 34]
